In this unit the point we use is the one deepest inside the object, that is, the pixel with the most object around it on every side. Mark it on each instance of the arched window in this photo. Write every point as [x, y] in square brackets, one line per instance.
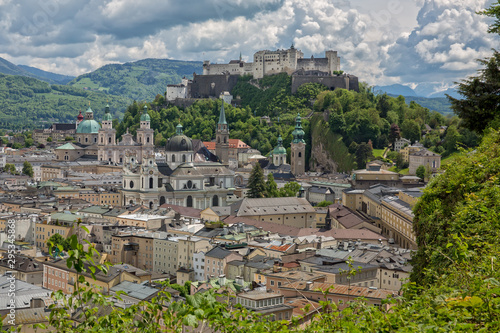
[215, 201]
[183, 158]
[95, 140]
[131, 184]
[151, 205]
[173, 158]
[218, 139]
[86, 139]
[102, 139]
[150, 182]
[225, 139]
[109, 140]
[147, 140]
[162, 200]
[189, 201]
[300, 154]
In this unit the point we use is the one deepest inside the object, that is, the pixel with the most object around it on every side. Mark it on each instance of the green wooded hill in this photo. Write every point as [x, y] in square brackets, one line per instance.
[140, 80]
[30, 103]
[343, 121]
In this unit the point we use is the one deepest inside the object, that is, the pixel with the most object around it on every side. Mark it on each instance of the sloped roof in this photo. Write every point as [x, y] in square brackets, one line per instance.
[135, 290]
[218, 252]
[68, 146]
[267, 206]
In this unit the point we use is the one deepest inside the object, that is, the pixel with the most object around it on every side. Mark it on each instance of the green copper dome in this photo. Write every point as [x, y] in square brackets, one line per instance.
[107, 115]
[88, 126]
[279, 150]
[145, 116]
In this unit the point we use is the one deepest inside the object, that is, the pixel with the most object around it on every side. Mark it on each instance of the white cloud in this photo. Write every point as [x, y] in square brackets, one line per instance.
[381, 41]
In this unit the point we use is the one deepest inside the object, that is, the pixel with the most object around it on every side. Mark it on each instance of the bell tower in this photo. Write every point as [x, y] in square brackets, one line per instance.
[222, 138]
[298, 149]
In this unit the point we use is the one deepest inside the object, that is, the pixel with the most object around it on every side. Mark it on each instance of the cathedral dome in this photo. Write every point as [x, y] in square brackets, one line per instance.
[179, 142]
[88, 126]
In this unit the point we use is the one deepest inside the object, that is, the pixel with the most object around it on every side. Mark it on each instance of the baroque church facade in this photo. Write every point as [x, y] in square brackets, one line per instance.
[182, 179]
[110, 150]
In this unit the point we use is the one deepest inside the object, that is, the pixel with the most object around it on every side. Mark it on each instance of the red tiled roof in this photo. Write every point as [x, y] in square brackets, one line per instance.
[233, 143]
[340, 289]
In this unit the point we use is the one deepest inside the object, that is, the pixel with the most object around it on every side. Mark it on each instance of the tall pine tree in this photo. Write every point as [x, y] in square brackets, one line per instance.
[256, 183]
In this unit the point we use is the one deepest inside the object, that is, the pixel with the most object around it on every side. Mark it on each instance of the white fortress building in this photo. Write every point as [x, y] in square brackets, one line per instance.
[273, 62]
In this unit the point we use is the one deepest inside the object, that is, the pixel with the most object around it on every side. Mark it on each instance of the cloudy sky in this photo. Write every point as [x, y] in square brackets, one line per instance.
[380, 41]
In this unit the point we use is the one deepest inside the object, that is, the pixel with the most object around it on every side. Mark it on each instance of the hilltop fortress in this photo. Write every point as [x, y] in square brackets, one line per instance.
[220, 78]
[274, 62]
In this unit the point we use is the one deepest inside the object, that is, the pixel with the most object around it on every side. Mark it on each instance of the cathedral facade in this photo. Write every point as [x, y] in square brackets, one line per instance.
[109, 150]
[180, 180]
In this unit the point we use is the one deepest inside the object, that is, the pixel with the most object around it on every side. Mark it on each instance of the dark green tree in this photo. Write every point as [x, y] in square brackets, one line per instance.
[363, 153]
[420, 172]
[57, 239]
[291, 189]
[271, 187]
[451, 140]
[411, 130]
[10, 168]
[256, 183]
[480, 107]
[384, 105]
[28, 169]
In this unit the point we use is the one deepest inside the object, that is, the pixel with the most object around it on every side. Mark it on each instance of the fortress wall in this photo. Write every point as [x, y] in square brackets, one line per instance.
[205, 86]
[332, 82]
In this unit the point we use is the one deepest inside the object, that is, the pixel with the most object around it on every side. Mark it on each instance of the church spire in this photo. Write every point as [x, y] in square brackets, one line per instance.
[222, 116]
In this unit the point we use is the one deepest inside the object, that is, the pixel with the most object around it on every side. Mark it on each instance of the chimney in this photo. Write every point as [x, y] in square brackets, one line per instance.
[239, 280]
[222, 280]
[308, 285]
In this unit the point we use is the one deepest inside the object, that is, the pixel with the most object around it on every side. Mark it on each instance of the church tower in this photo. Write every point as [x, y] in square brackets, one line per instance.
[145, 136]
[279, 153]
[107, 138]
[222, 138]
[107, 134]
[298, 149]
[145, 133]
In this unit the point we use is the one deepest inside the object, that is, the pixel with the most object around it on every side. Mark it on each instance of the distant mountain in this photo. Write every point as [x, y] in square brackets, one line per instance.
[450, 91]
[48, 76]
[29, 103]
[424, 89]
[395, 89]
[6, 67]
[139, 80]
[439, 104]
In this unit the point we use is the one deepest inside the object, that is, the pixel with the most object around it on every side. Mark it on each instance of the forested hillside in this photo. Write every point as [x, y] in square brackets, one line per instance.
[141, 80]
[29, 103]
[357, 122]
